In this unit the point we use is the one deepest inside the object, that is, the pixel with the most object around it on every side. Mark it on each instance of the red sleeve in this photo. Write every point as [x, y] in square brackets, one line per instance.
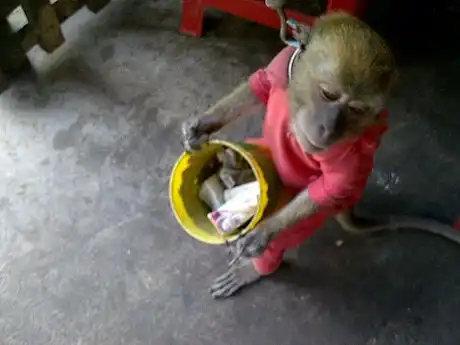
[275, 73]
[260, 85]
[343, 180]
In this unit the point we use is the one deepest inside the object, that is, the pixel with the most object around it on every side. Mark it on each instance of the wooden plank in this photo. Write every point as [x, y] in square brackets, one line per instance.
[43, 19]
[50, 36]
[64, 9]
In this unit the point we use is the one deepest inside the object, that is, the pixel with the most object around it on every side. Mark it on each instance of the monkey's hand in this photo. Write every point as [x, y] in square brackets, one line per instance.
[241, 271]
[239, 275]
[254, 242]
[193, 135]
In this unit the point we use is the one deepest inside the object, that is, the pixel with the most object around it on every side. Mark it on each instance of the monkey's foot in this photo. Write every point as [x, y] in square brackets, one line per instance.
[241, 274]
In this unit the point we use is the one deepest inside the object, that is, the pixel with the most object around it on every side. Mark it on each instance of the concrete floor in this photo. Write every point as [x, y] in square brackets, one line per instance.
[90, 253]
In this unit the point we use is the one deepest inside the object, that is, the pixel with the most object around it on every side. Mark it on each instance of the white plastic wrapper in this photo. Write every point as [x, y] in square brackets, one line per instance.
[240, 206]
[251, 188]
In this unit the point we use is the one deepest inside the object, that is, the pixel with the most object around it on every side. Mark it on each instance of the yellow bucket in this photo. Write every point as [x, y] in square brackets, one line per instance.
[191, 212]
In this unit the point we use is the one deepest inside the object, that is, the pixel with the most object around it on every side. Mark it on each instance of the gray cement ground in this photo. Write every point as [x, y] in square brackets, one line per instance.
[90, 253]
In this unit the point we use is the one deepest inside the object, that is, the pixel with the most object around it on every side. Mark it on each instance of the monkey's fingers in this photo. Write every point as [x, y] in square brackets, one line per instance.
[248, 246]
[229, 290]
[225, 286]
[254, 244]
[239, 253]
[192, 138]
[193, 143]
[224, 277]
[235, 259]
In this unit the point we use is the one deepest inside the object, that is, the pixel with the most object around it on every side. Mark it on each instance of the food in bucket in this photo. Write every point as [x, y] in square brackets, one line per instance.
[230, 191]
[235, 170]
[212, 192]
[251, 187]
[238, 209]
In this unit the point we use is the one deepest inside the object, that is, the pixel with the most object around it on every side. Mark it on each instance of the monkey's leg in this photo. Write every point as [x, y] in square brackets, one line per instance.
[247, 271]
[266, 245]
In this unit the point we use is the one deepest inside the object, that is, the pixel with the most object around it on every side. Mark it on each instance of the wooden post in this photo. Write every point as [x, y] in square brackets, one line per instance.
[44, 21]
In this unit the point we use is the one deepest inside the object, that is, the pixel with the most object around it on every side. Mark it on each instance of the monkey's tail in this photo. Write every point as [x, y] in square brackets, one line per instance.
[365, 226]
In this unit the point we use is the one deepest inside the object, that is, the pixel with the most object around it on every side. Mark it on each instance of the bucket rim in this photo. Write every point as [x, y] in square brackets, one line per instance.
[263, 200]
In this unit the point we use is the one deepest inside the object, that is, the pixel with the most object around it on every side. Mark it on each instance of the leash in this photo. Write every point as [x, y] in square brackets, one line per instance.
[300, 32]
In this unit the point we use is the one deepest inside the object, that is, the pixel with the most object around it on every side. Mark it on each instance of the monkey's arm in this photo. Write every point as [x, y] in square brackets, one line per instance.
[240, 102]
[300, 207]
[248, 96]
[244, 100]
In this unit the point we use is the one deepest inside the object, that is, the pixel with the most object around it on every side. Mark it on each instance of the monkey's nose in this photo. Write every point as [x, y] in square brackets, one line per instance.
[324, 132]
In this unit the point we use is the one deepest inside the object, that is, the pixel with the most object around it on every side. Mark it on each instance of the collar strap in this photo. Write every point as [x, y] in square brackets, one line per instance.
[292, 61]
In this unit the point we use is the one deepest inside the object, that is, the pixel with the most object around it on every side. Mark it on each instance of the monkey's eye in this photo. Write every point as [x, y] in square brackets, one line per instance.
[329, 96]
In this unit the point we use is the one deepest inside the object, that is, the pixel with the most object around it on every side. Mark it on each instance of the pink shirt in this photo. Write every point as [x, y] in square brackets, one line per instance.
[336, 177]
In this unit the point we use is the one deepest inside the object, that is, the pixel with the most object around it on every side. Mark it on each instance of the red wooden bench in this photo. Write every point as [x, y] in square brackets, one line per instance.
[254, 10]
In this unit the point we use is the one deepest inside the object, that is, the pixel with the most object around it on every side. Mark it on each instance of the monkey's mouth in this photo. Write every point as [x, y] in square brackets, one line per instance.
[304, 139]
[312, 143]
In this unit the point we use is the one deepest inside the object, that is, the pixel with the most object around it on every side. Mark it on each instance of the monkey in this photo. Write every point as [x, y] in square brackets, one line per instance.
[325, 115]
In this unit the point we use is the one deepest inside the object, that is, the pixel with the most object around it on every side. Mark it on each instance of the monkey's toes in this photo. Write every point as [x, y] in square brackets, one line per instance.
[225, 286]
[238, 276]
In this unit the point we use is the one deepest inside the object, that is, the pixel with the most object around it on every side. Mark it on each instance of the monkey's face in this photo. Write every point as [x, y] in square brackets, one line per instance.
[329, 113]
[340, 84]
